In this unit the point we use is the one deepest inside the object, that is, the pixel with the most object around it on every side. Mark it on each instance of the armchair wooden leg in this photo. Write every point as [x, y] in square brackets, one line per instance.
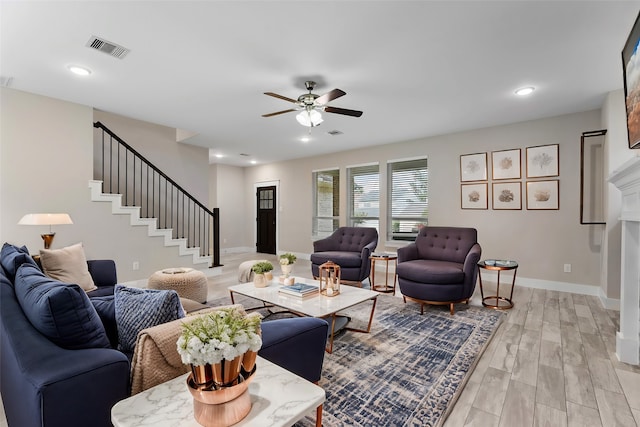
[421, 309]
[319, 416]
[451, 308]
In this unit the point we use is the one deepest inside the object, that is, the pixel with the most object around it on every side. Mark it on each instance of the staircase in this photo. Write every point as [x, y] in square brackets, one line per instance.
[151, 223]
[135, 187]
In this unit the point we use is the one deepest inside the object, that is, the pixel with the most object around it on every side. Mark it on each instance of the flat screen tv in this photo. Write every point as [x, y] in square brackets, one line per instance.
[631, 76]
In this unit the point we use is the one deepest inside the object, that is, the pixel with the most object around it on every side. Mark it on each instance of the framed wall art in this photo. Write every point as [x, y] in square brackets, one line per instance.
[474, 196]
[631, 78]
[543, 195]
[542, 161]
[505, 164]
[473, 167]
[507, 195]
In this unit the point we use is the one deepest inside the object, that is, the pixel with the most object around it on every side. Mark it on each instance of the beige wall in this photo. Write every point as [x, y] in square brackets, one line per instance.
[45, 166]
[45, 162]
[542, 241]
[185, 164]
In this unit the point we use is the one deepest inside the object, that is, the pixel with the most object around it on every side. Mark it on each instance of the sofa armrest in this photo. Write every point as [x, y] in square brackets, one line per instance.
[103, 272]
[407, 253]
[296, 344]
[470, 266]
[41, 381]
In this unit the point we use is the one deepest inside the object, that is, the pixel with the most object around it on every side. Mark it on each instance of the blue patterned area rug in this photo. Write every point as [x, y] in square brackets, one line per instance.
[411, 368]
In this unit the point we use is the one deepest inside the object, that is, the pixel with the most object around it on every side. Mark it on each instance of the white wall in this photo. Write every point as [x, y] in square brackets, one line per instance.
[542, 241]
[45, 166]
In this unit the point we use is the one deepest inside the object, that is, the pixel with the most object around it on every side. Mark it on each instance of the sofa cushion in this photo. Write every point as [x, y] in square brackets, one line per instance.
[138, 309]
[106, 308]
[68, 265]
[12, 257]
[343, 259]
[62, 312]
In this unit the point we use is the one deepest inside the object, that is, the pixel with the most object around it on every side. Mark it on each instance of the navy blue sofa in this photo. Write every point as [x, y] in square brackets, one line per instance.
[45, 384]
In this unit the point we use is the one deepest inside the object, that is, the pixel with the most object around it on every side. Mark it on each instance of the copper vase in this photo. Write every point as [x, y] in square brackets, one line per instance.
[226, 373]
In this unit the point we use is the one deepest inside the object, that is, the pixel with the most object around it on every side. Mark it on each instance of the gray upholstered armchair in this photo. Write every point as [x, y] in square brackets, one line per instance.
[440, 267]
[350, 248]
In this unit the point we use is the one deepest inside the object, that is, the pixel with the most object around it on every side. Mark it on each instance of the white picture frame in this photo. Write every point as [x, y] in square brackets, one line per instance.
[473, 167]
[543, 195]
[505, 164]
[543, 161]
[473, 196]
[507, 195]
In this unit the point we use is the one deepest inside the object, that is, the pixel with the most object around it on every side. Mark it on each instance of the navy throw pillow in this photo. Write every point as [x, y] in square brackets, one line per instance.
[138, 309]
[12, 257]
[62, 312]
[105, 306]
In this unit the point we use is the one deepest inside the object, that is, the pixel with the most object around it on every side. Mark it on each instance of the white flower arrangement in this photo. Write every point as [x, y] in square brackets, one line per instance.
[222, 334]
[287, 258]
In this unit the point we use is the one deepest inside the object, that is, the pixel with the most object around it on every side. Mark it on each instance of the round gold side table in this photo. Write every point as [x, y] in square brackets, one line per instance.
[501, 303]
[386, 288]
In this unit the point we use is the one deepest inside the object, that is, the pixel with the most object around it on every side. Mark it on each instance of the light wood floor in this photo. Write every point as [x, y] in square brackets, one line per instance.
[551, 363]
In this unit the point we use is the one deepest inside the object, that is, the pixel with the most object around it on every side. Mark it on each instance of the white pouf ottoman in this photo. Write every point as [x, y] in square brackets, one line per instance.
[245, 274]
[187, 282]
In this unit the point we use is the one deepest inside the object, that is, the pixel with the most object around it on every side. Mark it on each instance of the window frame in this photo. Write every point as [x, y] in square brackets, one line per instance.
[399, 236]
[315, 233]
[352, 219]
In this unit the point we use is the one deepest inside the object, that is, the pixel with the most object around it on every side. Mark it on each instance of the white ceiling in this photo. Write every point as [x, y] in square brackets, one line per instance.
[416, 68]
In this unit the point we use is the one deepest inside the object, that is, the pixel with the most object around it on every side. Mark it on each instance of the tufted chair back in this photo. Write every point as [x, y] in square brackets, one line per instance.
[445, 243]
[351, 239]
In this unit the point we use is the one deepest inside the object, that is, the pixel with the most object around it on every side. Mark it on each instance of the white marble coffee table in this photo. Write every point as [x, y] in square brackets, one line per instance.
[316, 306]
[279, 398]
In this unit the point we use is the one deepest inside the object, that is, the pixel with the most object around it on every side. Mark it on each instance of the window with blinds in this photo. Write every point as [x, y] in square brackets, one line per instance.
[408, 192]
[364, 196]
[326, 202]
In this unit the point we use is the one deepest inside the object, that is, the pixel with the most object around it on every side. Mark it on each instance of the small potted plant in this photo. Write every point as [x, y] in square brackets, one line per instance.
[260, 270]
[286, 263]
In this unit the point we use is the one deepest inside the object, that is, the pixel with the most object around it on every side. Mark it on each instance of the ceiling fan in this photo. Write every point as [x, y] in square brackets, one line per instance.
[310, 105]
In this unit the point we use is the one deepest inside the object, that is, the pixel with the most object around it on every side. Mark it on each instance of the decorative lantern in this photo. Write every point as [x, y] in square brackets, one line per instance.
[329, 279]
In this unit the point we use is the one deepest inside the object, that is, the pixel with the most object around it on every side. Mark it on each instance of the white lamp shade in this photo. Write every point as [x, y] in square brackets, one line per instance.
[309, 118]
[46, 219]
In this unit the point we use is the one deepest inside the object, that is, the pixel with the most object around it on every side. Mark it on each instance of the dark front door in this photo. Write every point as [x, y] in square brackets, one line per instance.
[266, 220]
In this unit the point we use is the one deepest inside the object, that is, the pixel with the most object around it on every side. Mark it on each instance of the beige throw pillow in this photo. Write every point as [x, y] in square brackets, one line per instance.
[68, 265]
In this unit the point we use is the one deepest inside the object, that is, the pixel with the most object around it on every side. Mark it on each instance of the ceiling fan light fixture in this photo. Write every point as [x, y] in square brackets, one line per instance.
[309, 118]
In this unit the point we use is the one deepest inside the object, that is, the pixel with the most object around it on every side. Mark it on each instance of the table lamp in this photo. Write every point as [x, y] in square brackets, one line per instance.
[46, 219]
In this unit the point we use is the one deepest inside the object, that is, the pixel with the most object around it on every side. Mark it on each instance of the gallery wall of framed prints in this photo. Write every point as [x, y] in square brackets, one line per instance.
[540, 191]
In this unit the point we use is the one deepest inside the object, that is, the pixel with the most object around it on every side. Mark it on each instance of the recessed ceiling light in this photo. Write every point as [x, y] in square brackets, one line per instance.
[219, 156]
[524, 91]
[253, 162]
[81, 71]
[305, 139]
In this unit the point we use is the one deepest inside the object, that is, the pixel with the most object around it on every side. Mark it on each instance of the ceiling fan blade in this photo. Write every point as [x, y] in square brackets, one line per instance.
[278, 112]
[344, 111]
[275, 95]
[330, 96]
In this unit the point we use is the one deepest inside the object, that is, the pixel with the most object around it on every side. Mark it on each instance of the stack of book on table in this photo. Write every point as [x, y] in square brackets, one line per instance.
[301, 290]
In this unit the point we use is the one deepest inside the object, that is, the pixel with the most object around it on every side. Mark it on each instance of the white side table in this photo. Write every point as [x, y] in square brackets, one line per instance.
[278, 398]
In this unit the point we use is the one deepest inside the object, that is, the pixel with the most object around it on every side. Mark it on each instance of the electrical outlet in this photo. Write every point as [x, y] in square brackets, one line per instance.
[567, 268]
[136, 265]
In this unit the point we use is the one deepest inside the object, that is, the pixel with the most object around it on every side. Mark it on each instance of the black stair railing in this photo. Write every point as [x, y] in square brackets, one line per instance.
[124, 171]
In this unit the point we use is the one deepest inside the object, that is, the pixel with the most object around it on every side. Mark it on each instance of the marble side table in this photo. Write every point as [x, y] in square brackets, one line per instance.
[279, 398]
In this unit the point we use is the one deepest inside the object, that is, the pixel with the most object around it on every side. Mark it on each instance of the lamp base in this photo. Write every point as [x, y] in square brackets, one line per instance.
[48, 239]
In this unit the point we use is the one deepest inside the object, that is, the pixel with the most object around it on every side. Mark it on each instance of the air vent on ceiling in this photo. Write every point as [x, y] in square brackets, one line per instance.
[334, 132]
[107, 47]
[245, 154]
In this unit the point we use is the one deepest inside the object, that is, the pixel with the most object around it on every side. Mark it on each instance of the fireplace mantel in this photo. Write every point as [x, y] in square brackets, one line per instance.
[627, 179]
